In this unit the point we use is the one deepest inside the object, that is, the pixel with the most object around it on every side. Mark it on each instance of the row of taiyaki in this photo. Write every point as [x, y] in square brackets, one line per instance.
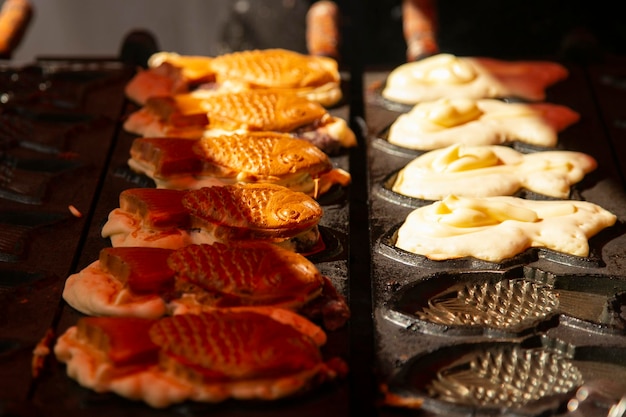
[238, 148]
[252, 115]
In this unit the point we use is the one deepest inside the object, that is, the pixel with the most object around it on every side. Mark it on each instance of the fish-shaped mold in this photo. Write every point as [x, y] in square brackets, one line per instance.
[16, 228]
[26, 180]
[530, 377]
[510, 303]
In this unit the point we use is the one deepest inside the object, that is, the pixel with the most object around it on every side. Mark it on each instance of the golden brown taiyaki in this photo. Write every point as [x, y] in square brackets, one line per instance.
[252, 211]
[249, 157]
[314, 77]
[175, 218]
[189, 116]
[261, 353]
[152, 282]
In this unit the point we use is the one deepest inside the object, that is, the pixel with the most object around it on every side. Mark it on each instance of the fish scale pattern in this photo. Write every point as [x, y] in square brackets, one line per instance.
[260, 206]
[502, 304]
[262, 111]
[235, 345]
[510, 377]
[265, 153]
[221, 268]
[249, 269]
[273, 67]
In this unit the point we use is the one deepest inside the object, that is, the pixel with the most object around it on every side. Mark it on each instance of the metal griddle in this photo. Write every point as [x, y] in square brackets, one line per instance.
[417, 344]
[65, 146]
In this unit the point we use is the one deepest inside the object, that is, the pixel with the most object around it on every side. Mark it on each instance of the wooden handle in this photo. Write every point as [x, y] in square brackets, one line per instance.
[419, 28]
[15, 17]
[322, 29]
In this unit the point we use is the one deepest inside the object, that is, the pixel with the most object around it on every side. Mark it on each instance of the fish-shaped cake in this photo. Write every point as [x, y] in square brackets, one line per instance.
[194, 116]
[247, 353]
[151, 282]
[483, 171]
[446, 75]
[497, 228]
[175, 218]
[252, 157]
[315, 77]
[436, 124]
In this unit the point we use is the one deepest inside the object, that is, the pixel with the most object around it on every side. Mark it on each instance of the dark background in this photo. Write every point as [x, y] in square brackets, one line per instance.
[372, 29]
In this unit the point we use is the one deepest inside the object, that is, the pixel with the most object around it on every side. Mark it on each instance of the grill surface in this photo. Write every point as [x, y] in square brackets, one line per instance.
[66, 147]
